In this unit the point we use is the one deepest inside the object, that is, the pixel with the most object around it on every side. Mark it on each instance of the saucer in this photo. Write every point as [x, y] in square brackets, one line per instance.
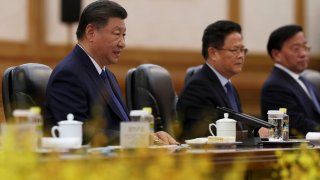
[60, 143]
[203, 143]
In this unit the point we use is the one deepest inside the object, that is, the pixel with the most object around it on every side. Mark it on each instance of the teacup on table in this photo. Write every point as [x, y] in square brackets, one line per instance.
[69, 131]
[226, 128]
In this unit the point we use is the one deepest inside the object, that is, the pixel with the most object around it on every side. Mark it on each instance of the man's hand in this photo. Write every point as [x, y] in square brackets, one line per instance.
[163, 138]
[263, 132]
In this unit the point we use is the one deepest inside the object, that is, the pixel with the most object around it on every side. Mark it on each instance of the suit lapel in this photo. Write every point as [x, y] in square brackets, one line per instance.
[98, 82]
[293, 84]
[117, 90]
[215, 83]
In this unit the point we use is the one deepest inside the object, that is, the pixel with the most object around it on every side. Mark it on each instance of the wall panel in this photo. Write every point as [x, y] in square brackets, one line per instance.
[170, 24]
[164, 32]
[260, 18]
[312, 28]
[56, 31]
[14, 20]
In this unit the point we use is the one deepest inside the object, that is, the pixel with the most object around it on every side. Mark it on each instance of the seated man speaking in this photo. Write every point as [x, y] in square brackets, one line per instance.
[83, 85]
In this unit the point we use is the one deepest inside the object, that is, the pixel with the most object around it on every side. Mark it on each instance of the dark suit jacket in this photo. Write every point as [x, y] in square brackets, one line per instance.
[280, 90]
[76, 87]
[197, 103]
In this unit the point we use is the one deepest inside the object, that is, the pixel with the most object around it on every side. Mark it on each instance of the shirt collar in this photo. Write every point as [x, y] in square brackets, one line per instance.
[96, 65]
[288, 71]
[221, 78]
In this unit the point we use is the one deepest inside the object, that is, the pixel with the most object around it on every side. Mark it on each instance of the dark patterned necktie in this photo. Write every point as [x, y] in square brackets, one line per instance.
[232, 97]
[233, 102]
[106, 79]
[312, 93]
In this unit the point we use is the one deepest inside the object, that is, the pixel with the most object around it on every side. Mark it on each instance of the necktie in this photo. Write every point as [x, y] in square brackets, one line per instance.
[232, 97]
[312, 93]
[106, 79]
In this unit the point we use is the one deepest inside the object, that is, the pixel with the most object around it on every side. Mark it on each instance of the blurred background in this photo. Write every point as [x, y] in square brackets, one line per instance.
[163, 32]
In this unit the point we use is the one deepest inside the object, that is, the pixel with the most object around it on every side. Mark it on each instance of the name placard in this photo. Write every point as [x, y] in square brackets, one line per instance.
[134, 134]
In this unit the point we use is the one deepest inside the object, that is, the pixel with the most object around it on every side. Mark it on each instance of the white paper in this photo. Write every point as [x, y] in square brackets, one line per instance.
[134, 134]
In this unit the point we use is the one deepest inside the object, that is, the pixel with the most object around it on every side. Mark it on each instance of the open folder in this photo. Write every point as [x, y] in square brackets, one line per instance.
[245, 118]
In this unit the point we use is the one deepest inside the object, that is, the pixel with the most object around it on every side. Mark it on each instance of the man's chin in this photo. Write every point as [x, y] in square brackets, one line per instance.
[114, 61]
[238, 70]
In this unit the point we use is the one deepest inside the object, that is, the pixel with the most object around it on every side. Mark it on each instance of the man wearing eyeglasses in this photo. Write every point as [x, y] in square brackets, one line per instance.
[285, 87]
[224, 53]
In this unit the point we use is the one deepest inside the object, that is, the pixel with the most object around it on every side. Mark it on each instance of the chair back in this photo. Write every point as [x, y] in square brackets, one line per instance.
[190, 72]
[313, 76]
[129, 85]
[24, 86]
[151, 85]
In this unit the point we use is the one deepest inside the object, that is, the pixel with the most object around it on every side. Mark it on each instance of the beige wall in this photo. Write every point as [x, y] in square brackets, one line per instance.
[171, 24]
[260, 18]
[164, 32]
[13, 18]
[312, 28]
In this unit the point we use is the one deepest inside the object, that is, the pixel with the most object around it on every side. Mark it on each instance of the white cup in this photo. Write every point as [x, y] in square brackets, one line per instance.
[225, 127]
[69, 129]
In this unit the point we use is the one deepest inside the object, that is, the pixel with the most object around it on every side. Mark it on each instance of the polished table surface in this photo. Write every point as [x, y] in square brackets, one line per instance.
[255, 157]
[258, 161]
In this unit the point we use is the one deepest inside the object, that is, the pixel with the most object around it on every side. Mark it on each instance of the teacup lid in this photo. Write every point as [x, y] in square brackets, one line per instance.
[21, 113]
[70, 120]
[226, 119]
[276, 112]
[138, 113]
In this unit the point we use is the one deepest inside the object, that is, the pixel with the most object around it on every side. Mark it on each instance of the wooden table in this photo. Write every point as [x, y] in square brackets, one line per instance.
[253, 162]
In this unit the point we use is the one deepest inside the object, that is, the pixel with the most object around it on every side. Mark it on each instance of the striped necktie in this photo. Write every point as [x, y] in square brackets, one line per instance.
[232, 97]
[312, 93]
[233, 102]
[106, 79]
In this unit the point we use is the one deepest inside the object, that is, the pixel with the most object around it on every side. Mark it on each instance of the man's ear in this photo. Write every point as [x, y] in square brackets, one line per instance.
[212, 53]
[90, 32]
[276, 55]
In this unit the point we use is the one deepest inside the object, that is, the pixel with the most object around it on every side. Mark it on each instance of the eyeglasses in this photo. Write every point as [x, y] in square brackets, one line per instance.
[235, 51]
[297, 49]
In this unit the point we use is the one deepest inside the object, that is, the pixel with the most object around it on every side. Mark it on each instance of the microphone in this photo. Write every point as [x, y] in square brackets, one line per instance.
[245, 118]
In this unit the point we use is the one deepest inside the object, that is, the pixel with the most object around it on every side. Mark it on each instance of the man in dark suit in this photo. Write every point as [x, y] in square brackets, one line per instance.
[284, 88]
[224, 53]
[83, 85]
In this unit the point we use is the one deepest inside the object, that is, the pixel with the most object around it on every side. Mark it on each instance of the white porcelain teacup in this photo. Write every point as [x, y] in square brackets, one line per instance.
[69, 129]
[225, 127]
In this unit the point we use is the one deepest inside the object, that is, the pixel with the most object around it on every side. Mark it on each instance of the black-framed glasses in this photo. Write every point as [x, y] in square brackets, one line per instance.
[235, 51]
